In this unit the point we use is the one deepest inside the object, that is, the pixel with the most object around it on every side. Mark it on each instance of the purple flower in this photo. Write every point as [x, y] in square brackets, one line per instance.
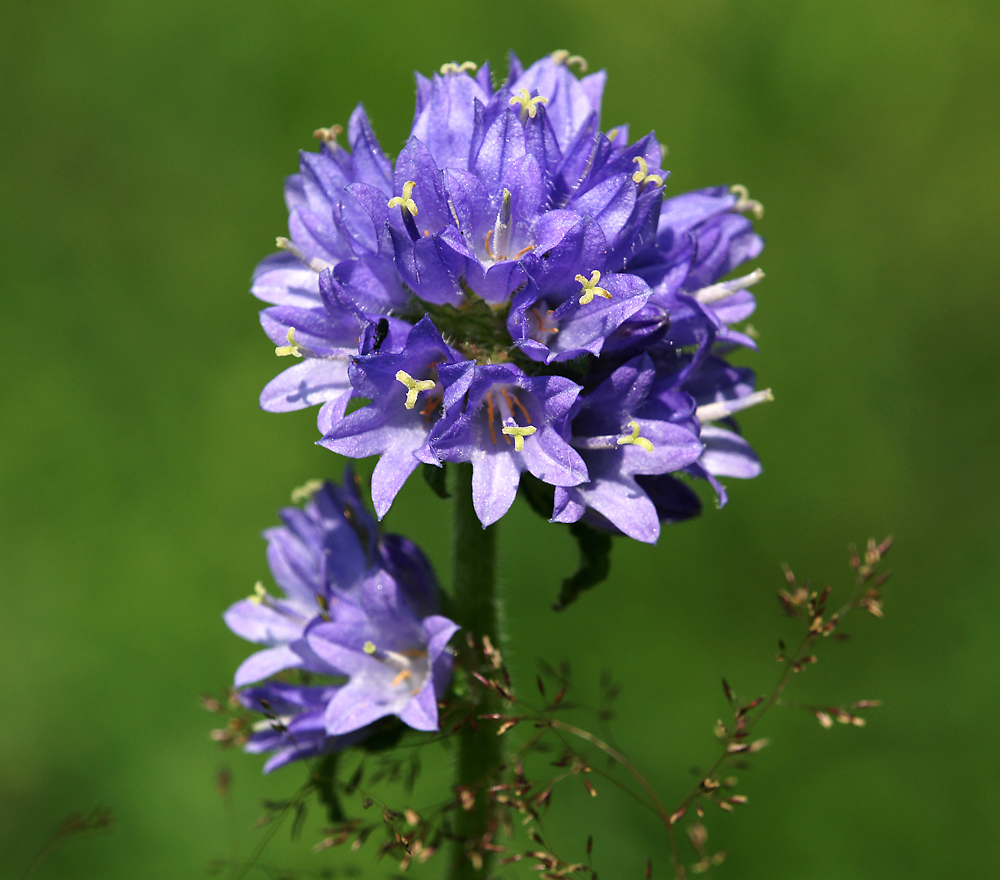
[397, 662]
[505, 422]
[293, 724]
[318, 556]
[345, 588]
[624, 429]
[477, 294]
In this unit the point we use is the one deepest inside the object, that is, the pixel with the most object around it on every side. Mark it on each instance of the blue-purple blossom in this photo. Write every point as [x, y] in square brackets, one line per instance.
[318, 556]
[514, 291]
[293, 726]
[357, 609]
[396, 662]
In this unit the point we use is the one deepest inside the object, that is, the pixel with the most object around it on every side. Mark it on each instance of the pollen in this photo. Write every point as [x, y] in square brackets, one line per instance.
[259, 595]
[518, 433]
[529, 105]
[329, 135]
[293, 348]
[306, 491]
[562, 56]
[452, 67]
[634, 439]
[405, 201]
[744, 204]
[369, 648]
[642, 176]
[413, 387]
[590, 288]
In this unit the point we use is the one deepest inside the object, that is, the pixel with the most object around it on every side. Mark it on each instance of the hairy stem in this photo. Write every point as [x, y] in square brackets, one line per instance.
[480, 749]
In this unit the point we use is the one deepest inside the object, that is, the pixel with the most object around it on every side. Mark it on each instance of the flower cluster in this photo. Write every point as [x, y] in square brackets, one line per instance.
[515, 292]
[358, 610]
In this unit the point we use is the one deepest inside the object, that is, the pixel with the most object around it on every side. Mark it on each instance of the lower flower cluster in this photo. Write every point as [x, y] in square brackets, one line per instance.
[357, 610]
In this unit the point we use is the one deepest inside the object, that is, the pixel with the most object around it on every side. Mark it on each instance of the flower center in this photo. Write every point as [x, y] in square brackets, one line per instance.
[412, 666]
[529, 105]
[502, 403]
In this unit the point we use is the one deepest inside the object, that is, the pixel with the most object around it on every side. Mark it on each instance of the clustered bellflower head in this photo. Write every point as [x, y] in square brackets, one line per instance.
[515, 292]
[357, 609]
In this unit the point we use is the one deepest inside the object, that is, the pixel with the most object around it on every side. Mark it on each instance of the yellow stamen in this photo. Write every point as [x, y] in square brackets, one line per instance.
[401, 676]
[562, 56]
[452, 67]
[306, 491]
[369, 648]
[590, 288]
[293, 348]
[642, 176]
[744, 204]
[413, 387]
[489, 252]
[518, 433]
[634, 439]
[405, 202]
[329, 135]
[314, 263]
[259, 594]
[528, 104]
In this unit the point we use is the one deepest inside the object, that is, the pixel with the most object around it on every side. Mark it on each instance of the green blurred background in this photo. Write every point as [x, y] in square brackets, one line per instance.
[143, 151]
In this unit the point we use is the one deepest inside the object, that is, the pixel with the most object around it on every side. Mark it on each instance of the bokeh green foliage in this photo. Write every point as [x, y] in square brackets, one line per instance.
[143, 150]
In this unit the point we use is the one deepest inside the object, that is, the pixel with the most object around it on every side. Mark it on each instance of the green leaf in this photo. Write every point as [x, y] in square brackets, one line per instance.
[437, 479]
[595, 563]
[325, 783]
[301, 809]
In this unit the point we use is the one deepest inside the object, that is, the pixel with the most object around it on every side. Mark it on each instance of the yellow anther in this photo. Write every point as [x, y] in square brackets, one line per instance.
[634, 439]
[329, 135]
[642, 176]
[369, 648]
[293, 348]
[405, 202]
[413, 387]
[562, 56]
[306, 491]
[528, 104]
[259, 594]
[401, 676]
[452, 67]
[744, 204]
[590, 288]
[518, 433]
[314, 263]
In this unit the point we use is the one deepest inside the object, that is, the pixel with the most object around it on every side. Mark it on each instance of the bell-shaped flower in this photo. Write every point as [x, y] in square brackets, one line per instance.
[397, 663]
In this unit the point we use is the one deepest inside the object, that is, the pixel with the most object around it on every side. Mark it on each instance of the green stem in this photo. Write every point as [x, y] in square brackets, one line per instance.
[479, 748]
